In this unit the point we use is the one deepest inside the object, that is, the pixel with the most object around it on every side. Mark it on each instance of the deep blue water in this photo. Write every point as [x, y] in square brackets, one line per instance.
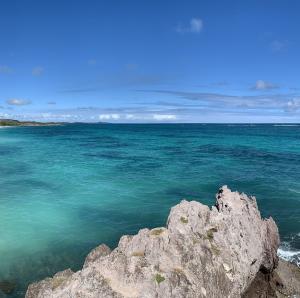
[66, 189]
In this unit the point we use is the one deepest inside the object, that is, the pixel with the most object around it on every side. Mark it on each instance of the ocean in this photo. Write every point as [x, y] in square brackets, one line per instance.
[66, 189]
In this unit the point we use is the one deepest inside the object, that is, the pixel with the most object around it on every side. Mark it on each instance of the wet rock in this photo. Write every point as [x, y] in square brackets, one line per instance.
[7, 287]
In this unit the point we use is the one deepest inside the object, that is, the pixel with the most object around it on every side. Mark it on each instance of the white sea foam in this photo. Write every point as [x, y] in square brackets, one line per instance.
[241, 124]
[288, 254]
[285, 124]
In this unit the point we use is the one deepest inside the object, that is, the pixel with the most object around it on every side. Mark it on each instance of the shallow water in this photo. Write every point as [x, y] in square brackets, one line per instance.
[65, 189]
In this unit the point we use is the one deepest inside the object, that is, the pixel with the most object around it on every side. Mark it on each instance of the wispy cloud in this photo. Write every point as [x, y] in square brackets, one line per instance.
[109, 116]
[271, 102]
[18, 102]
[37, 71]
[79, 90]
[263, 85]
[195, 26]
[164, 117]
[277, 46]
[4, 69]
[51, 103]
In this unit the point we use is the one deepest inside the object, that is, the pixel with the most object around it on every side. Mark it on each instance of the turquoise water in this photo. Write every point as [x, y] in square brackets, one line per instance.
[66, 189]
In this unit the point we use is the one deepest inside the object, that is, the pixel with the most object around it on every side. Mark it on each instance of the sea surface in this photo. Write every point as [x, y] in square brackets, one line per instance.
[66, 189]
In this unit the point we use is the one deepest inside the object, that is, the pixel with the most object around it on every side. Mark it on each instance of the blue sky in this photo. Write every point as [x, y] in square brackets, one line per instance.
[150, 61]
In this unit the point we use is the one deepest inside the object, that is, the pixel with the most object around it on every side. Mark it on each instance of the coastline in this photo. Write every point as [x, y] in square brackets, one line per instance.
[17, 123]
[33, 125]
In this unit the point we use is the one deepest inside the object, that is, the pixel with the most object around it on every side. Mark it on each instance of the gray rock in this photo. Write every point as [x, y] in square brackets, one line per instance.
[202, 252]
[45, 287]
[283, 282]
[100, 251]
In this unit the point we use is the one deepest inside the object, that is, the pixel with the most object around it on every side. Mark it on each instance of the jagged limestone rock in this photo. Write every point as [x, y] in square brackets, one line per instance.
[201, 253]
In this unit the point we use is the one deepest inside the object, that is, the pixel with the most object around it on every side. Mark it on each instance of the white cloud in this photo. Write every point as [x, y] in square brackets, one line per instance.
[263, 85]
[164, 117]
[18, 102]
[5, 69]
[293, 105]
[37, 71]
[130, 117]
[109, 116]
[150, 117]
[195, 26]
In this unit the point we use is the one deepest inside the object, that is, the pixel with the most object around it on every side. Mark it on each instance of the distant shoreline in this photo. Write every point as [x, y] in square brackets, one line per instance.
[16, 123]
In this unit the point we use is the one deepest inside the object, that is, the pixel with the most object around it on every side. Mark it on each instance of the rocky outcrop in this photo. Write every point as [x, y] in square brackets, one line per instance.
[283, 282]
[203, 252]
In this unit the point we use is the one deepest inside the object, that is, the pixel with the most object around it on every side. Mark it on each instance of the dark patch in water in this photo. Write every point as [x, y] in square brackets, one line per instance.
[177, 135]
[9, 150]
[141, 167]
[23, 185]
[103, 142]
[150, 165]
[176, 150]
[104, 145]
[16, 169]
[105, 155]
[248, 153]
[181, 193]
[139, 164]
[139, 158]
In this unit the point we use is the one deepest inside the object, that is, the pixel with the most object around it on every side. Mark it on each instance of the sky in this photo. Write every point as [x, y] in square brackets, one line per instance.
[150, 61]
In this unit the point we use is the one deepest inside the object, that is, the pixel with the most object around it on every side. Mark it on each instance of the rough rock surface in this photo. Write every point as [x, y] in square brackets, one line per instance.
[202, 252]
[284, 281]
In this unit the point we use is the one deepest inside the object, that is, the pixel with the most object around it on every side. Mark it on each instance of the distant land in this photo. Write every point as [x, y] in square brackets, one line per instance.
[11, 122]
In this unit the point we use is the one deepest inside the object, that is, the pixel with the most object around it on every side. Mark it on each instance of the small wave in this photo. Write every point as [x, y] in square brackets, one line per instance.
[285, 124]
[295, 191]
[241, 124]
[288, 254]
